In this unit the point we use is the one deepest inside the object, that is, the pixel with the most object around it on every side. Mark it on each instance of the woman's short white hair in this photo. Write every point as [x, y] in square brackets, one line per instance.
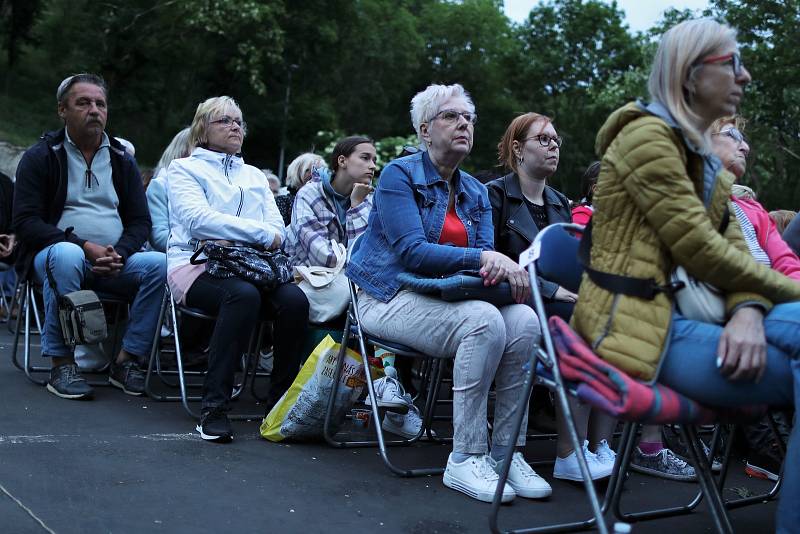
[425, 104]
[300, 166]
[674, 67]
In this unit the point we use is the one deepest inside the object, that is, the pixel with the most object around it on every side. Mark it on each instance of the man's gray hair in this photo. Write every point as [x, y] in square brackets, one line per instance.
[425, 104]
[69, 81]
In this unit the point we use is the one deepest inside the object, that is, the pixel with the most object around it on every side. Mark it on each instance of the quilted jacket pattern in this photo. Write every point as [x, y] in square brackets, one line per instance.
[649, 215]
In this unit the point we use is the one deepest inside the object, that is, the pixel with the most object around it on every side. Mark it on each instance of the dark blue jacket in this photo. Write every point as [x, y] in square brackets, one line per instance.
[41, 191]
[406, 222]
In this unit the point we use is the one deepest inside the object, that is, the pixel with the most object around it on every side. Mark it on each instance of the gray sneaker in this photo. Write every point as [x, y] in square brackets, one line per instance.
[664, 464]
[66, 382]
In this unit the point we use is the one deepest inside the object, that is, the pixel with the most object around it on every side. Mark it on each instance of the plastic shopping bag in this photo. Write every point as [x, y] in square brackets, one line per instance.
[300, 413]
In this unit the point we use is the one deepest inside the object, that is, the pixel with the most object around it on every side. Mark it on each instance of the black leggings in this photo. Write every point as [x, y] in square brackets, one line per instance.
[238, 306]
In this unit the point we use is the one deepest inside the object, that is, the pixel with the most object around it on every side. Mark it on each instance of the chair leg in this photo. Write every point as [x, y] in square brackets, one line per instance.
[376, 419]
[179, 360]
[716, 504]
[597, 520]
[16, 302]
[155, 351]
[627, 443]
[18, 329]
[30, 307]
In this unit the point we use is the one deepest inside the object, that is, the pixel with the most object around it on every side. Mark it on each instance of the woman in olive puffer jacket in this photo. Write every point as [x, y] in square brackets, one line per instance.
[659, 202]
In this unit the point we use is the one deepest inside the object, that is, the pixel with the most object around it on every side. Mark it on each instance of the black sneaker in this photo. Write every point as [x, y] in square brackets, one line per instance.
[214, 426]
[67, 383]
[128, 377]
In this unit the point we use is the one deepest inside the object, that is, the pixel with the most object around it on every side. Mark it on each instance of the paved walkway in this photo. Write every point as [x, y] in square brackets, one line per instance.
[130, 465]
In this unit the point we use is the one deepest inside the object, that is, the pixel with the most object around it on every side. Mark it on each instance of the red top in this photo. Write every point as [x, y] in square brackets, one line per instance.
[453, 231]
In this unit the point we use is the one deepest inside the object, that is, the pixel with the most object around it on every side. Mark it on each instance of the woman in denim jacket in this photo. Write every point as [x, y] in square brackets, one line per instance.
[430, 218]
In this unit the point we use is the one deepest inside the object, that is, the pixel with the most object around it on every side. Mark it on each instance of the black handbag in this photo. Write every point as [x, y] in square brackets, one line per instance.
[262, 268]
[460, 286]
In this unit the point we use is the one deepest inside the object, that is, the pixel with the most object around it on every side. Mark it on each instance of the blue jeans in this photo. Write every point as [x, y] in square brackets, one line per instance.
[690, 368]
[141, 281]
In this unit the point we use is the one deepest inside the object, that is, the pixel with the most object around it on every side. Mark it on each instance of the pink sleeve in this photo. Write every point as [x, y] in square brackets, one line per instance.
[783, 259]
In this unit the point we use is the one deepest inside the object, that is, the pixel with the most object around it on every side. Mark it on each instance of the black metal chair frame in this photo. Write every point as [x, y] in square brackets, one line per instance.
[28, 307]
[154, 367]
[709, 488]
[429, 385]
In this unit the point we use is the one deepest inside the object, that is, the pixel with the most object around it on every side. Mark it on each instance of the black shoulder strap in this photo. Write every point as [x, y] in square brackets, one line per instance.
[645, 288]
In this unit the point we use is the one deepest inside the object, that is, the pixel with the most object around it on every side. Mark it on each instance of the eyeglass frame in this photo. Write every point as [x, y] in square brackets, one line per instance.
[558, 140]
[732, 132]
[734, 57]
[228, 123]
[470, 116]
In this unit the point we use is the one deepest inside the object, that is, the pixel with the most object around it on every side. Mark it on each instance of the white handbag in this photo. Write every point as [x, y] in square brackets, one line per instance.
[698, 300]
[326, 288]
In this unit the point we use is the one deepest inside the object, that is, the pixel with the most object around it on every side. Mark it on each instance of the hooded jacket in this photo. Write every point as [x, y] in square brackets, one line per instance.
[658, 204]
[41, 192]
[217, 196]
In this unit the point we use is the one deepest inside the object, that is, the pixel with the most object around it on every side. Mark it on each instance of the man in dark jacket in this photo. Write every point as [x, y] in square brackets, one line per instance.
[81, 218]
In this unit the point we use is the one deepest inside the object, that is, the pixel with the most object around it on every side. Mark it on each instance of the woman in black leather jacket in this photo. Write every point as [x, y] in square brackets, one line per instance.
[523, 203]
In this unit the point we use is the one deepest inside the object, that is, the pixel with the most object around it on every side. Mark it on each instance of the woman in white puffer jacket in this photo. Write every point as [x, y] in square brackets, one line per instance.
[214, 195]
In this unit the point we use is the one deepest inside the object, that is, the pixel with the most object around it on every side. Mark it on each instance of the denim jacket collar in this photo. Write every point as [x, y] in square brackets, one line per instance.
[432, 176]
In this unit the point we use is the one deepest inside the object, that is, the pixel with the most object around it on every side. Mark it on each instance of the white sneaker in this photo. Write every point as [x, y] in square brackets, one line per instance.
[605, 454]
[389, 392]
[407, 425]
[523, 479]
[568, 469]
[476, 478]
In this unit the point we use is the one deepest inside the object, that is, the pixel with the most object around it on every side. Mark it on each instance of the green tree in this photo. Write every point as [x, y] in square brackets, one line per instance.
[472, 43]
[574, 48]
[768, 33]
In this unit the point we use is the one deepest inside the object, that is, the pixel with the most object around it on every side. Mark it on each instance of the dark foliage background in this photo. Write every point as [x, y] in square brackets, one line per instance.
[353, 65]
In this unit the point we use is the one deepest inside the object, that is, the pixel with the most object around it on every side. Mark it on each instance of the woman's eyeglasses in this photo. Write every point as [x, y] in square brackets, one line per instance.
[733, 133]
[734, 58]
[450, 116]
[228, 122]
[545, 140]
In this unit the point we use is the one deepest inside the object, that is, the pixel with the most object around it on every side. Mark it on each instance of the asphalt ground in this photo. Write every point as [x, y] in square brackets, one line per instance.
[123, 464]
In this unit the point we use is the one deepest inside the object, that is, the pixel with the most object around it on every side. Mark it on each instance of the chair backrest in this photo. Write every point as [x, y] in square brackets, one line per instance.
[555, 250]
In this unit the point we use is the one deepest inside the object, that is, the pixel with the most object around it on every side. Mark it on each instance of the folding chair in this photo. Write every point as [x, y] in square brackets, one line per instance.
[174, 312]
[27, 307]
[546, 257]
[429, 386]
[549, 257]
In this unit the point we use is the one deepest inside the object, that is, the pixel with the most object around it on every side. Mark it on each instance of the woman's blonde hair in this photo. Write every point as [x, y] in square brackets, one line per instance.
[206, 111]
[300, 166]
[737, 121]
[179, 147]
[671, 77]
[782, 218]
